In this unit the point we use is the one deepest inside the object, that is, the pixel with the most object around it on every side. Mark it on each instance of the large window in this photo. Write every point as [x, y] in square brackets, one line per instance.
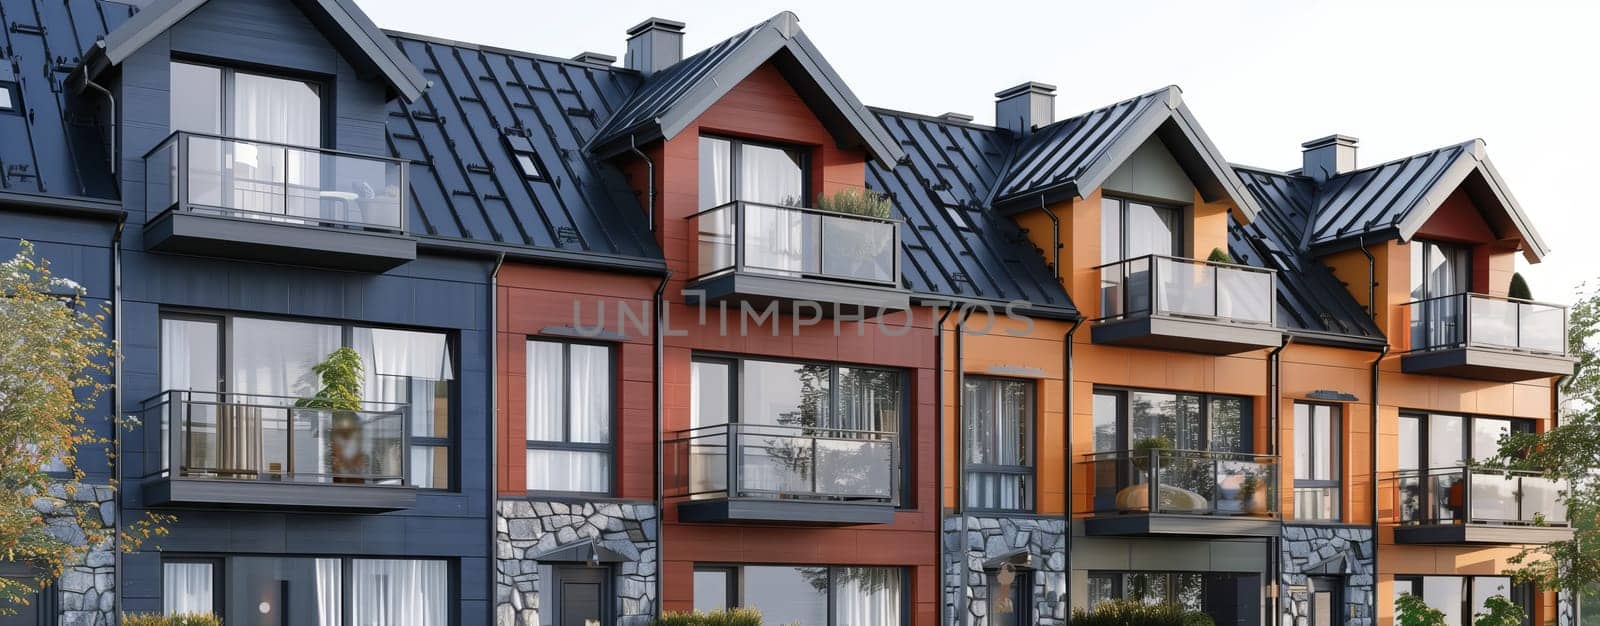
[1317, 469]
[1460, 597]
[1229, 598]
[1185, 421]
[570, 413]
[732, 169]
[1434, 453]
[319, 591]
[246, 385]
[807, 595]
[223, 101]
[1131, 229]
[998, 417]
[1438, 270]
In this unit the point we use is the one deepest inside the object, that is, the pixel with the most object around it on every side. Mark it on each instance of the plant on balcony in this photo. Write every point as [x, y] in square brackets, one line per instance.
[729, 617]
[341, 374]
[855, 201]
[1253, 494]
[1136, 497]
[1519, 288]
[1135, 613]
[1218, 255]
[851, 248]
[54, 357]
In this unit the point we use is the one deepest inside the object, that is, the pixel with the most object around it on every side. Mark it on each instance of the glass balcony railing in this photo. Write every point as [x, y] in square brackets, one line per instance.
[230, 436]
[1183, 482]
[796, 242]
[1463, 495]
[1473, 320]
[1164, 285]
[784, 462]
[263, 180]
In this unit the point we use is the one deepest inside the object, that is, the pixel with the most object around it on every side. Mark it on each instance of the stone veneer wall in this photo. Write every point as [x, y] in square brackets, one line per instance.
[527, 529]
[989, 537]
[86, 591]
[1304, 547]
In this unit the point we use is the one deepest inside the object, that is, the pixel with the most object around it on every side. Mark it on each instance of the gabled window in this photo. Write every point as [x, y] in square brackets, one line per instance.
[216, 100]
[998, 416]
[1317, 470]
[569, 417]
[732, 169]
[1131, 229]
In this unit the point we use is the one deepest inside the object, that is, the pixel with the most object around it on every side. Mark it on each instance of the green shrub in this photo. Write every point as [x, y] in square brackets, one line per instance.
[1519, 287]
[1133, 613]
[853, 201]
[1410, 610]
[1498, 611]
[181, 619]
[1218, 255]
[729, 617]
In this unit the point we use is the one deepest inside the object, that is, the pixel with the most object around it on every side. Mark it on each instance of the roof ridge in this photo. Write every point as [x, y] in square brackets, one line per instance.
[932, 118]
[1407, 157]
[482, 47]
[1109, 106]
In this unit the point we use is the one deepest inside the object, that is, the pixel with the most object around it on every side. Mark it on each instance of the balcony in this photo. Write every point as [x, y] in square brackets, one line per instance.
[1168, 303]
[1479, 506]
[260, 201]
[1182, 493]
[248, 451]
[1470, 335]
[746, 252]
[752, 473]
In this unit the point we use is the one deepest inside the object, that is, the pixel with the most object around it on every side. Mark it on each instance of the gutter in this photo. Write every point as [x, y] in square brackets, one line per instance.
[57, 205]
[614, 263]
[116, 419]
[111, 128]
[1274, 439]
[494, 424]
[657, 414]
[938, 444]
[1066, 509]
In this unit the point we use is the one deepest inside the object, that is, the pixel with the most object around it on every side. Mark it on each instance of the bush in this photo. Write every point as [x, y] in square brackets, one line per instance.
[1519, 287]
[181, 619]
[1133, 613]
[729, 617]
[852, 201]
[1410, 610]
[1218, 255]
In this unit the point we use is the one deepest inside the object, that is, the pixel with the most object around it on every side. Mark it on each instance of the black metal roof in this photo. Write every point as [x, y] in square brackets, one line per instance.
[48, 145]
[955, 248]
[672, 98]
[1311, 300]
[485, 106]
[1077, 154]
[1392, 200]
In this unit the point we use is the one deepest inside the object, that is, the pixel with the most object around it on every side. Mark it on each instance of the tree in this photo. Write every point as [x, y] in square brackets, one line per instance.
[1498, 611]
[1568, 452]
[54, 357]
[1519, 287]
[1410, 610]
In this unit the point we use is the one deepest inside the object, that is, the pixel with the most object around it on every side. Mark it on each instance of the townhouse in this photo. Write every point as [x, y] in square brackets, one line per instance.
[622, 352]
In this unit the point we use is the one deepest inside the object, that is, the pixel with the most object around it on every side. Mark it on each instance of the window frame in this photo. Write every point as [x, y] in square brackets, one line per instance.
[736, 584]
[731, 582]
[1029, 470]
[1179, 230]
[1425, 252]
[323, 84]
[1519, 593]
[1124, 426]
[1424, 421]
[903, 483]
[609, 448]
[1334, 451]
[219, 589]
[1119, 589]
[13, 101]
[224, 321]
[735, 161]
[220, 562]
[1021, 594]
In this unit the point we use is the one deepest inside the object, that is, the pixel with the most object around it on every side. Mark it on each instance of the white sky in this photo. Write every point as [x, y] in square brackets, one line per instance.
[1261, 76]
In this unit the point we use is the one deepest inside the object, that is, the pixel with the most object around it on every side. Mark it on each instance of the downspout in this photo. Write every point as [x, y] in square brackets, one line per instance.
[1065, 601]
[1274, 437]
[116, 417]
[1372, 277]
[938, 445]
[494, 421]
[1373, 408]
[1055, 240]
[650, 200]
[111, 102]
[659, 346]
[961, 464]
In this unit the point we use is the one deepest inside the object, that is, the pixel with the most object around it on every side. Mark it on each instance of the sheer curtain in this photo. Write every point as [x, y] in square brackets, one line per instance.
[562, 410]
[330, 591]
[186, 588]
[399, 593]
[775, 238]
[591, 397]
[546, 395]
[867, 596]
[280, 111]
[273, 358]
[406, 368]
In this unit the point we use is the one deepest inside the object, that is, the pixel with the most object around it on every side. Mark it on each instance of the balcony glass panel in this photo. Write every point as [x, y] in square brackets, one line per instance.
[1476, 320]
[1184, 482]
[784, 463]
[1484, 496]
[1165, 285]
[796, 242]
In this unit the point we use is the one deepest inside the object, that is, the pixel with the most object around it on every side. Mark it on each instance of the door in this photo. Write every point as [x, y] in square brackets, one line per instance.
[1233, 599]
[191, 370]
[581, 596]
[1326, 603]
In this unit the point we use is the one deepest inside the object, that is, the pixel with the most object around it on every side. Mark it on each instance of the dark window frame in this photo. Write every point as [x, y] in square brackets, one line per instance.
[1334, 450]
[731, 578]
[224, 321]
[1520, 593]
[1467, 249]
[609, 448]
[1424, 419]
[735, 149]
[346, 577]
[903, 470]
[737, 586]
[1179, 228]
[1029, 470]
[1119, 590]
[13, 91]
[1021, 594]
[1247, 415]
[219, 589]
[326, 94]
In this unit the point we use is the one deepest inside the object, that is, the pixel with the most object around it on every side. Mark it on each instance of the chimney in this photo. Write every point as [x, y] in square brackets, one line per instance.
[654, 45]
[1025, 107]
[1328, 157]
[952, 116]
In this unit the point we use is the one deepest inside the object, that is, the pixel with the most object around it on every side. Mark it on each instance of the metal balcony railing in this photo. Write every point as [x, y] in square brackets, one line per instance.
[784, 462]
[1465, 495]
[1183, 482]
[1165, 285]
[1473, 320]
[243, 178]
[247, 437]
[743, 236]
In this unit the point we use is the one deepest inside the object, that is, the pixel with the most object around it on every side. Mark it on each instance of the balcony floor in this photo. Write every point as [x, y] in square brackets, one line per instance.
[1204, 336]
[278, 242]
[834, 298]
[1504, 366]
[1495, 534]
[1178, 525]
[261, 494]
[772, 511]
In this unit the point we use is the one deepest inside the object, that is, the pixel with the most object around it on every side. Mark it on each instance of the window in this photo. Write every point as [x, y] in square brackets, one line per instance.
[569, 405]
[998, 417]
[732, 169]
[527, 160]
[8, 101]
[1317, 471]
[319, 591]
[397, 592]
[809, 595]
[235, 103]
[1434, 452]
[210, 363]
[1189, 421]
[1131, 229]
[1228, 598]
[1010, 595]
[1438, 270]
[1460, 597]
[189, 586]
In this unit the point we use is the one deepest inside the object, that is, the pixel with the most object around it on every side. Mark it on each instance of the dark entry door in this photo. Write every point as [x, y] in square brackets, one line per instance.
[1326, 606]
[582, 597]
[1233, 599]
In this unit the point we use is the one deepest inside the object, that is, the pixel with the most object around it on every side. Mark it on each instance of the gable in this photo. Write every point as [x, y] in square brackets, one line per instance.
[1151, 172]
[1457, 219]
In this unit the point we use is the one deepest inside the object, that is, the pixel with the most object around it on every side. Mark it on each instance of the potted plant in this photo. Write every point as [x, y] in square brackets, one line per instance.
[341, 374]
[1253, 494]
[858, 246]
[1136, 497]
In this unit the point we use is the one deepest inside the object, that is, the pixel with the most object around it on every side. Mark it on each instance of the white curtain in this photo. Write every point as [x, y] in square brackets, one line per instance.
[330, 589]
[409, 368]
[399, 593]
[274, 358]
[568, 470]
[716, 169]
[186, 588]
[546, 395]
[867, 596]
[591, 394]
[280, 111]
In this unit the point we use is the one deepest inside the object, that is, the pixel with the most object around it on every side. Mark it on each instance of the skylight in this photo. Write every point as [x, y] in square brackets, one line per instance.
[527, 161]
